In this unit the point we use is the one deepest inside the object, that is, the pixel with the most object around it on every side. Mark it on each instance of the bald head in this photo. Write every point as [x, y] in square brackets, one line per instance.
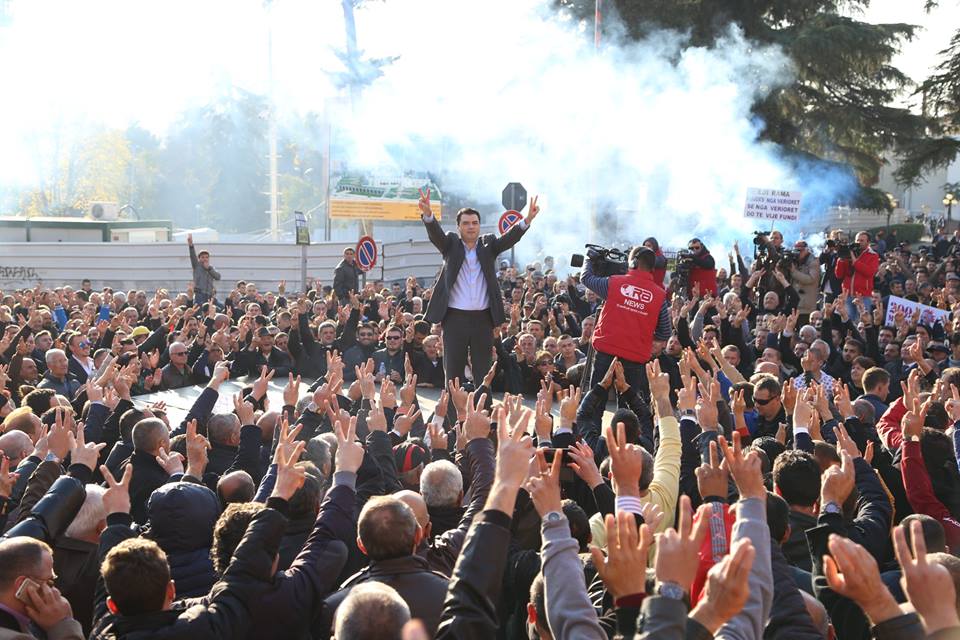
[236, 487]
[16, 445]
[149, 435]
[767, 367]
[415, 501]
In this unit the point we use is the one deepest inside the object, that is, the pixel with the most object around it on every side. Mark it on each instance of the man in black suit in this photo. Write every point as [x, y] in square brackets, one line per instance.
[466, 299]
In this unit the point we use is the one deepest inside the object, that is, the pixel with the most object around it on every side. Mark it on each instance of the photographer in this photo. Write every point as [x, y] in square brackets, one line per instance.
[636, 313]
[857, 266]
[830, 284]
[805, 277]
[703, 270]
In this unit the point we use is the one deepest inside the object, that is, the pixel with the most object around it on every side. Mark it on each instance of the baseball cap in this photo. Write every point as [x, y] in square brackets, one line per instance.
[409, 455]
[138, 331]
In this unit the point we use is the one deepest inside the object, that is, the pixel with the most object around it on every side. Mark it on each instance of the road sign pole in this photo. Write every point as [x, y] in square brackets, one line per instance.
[303, 269]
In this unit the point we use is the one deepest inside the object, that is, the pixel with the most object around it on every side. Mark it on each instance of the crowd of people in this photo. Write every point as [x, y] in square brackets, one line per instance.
[781, 461]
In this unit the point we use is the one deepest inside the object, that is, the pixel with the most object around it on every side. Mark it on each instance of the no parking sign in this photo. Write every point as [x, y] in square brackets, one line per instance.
[366, 253]
[507, 220]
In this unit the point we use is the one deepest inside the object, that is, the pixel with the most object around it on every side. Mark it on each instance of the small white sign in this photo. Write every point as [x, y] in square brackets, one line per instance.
[772, 204]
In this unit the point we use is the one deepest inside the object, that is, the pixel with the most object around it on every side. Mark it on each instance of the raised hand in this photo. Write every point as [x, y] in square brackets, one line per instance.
[514, 450]
[244, 409]
[712, 477]
[403, 422]
[59, 438]
[261, 384]
[745, 468]
[287, 441]
[477, 423]
[290, 477]
[83, 453]
[624, 568]
[626, 461]
[584, 464]
[424, 203]
[7, 479]
[927, 583]
[116, 499]
[852, 572]
[197, 448]
[171, 462]
[291, 392]
[459, 397]
[678, 549]
[838, 481]
[543, 421]
[350, 453]
[532, 210]
[544, 489]
[569, 403]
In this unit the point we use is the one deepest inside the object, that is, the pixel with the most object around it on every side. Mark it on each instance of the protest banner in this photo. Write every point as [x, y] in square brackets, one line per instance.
[928, 315]
[772, 204]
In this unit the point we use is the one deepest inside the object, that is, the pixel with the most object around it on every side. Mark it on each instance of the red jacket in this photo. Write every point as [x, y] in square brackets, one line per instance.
[916, 482]
[857, 276]
[707, 278]
[629, 316]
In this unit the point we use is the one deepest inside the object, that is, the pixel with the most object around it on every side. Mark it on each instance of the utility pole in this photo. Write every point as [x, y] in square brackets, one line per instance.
[594, 214]
[353, 65]
[272, 132]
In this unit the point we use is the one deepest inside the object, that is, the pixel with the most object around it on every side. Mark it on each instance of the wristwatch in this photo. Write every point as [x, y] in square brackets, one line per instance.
[671, 590]
[553, 517]
[831, 507]
[689, 412]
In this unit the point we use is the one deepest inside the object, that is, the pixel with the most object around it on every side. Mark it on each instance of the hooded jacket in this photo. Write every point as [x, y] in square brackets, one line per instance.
[660, 264]
[181, 520]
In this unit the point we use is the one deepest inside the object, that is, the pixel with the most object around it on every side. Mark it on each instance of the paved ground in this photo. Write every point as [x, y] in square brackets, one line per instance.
[179, 401]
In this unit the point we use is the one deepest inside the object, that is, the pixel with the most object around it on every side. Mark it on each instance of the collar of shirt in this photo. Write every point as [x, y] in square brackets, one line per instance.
[21, 619]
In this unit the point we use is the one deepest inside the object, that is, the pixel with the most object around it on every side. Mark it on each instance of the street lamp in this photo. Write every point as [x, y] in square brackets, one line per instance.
[948, 201]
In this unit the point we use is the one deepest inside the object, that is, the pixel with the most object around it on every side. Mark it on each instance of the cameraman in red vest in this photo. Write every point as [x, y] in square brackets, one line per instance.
[704, 271]
[635, 313]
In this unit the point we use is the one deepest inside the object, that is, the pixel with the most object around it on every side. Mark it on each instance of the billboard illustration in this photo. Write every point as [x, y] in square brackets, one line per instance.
[381, 196]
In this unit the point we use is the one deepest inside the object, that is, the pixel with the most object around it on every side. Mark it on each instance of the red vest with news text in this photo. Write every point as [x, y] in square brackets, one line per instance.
[629, 316]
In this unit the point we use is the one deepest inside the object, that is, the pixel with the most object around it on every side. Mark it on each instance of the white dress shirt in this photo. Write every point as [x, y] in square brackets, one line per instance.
[469, 292]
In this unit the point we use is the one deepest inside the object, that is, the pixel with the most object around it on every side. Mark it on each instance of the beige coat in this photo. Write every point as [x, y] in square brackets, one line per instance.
[805, 278]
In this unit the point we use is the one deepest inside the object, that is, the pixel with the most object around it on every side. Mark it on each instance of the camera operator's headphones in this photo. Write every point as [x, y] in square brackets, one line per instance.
[633, 257]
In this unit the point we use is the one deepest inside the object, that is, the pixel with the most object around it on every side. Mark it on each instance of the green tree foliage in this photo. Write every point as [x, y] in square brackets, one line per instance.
[941, 101]
[837, 108]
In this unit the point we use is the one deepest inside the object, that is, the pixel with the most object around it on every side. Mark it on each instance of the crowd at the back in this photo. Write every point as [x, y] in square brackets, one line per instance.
[788, 467]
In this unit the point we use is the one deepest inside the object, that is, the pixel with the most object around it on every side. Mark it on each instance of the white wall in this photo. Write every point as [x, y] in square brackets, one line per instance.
[152, 265]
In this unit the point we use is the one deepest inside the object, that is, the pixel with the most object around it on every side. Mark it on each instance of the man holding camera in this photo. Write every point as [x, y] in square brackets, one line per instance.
[636, 313]
[704, 268]
[857, 265]
[805, 276]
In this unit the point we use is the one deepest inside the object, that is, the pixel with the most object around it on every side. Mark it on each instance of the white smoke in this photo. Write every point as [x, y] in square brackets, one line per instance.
[483, 93]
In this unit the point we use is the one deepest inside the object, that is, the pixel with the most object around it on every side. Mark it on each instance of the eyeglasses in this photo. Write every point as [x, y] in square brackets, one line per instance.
[50, 582]
[393, 338]
[762, 402]
[83, 344]
[178, 353]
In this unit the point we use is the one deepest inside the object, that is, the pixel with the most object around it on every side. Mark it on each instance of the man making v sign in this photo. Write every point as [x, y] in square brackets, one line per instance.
[466, 299]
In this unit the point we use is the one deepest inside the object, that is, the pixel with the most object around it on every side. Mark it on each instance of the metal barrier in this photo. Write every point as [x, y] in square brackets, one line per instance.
[153, 265]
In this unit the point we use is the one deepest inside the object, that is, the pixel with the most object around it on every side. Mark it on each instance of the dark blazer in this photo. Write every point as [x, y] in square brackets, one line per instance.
[76, 369]
[489, 246]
